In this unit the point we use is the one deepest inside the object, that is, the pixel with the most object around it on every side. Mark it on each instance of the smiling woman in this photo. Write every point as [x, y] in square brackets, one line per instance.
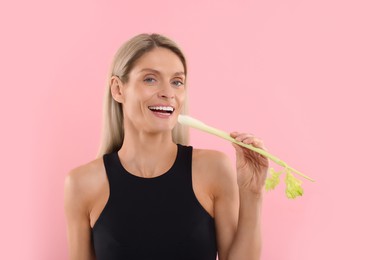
[124, 60]
[155, 84]
[148, 195]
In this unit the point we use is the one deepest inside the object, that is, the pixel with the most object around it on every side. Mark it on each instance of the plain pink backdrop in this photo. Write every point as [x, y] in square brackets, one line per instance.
[311, 78]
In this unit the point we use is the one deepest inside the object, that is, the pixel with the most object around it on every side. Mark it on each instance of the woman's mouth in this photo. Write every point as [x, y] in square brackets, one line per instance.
[162, 111]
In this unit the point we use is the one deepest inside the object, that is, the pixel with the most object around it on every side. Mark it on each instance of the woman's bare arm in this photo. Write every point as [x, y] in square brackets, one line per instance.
[238, 202]
[77, 201]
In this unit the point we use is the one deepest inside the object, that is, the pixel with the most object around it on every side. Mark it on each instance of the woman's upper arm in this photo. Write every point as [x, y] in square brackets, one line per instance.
[226, 203]
[77, 216]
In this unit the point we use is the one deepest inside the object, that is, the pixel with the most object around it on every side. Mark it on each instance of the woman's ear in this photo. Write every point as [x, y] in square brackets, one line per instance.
[116, 87]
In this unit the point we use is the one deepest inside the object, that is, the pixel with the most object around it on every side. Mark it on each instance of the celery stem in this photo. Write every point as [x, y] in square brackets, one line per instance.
[226, 136]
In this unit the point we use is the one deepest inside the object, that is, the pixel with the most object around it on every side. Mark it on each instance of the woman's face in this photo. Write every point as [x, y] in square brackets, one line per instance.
[155, 92]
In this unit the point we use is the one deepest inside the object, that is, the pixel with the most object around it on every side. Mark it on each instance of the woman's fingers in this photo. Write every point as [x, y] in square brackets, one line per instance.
[247, 138]
[251, 166]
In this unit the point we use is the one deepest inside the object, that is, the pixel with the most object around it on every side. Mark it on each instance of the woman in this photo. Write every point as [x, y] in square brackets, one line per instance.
[150, 196]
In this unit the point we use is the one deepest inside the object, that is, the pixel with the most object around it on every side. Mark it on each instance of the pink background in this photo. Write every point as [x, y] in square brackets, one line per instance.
[311, 78]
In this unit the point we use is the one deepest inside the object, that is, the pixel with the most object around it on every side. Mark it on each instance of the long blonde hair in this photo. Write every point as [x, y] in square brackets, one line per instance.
[112, 134]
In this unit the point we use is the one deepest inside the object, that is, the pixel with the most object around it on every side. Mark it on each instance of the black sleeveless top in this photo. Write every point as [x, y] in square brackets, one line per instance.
[153, 218]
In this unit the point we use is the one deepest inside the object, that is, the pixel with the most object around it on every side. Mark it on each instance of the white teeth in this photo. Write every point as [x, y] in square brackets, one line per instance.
[163, 108]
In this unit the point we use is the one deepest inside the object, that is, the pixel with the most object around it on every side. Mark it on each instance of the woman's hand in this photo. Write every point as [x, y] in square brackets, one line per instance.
[252, 167]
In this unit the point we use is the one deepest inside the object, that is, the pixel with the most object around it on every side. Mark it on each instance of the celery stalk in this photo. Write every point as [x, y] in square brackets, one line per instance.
[195, 123]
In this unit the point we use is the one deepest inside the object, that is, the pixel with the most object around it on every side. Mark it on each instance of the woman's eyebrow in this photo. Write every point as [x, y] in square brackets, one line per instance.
[149, 70]
[180, 73]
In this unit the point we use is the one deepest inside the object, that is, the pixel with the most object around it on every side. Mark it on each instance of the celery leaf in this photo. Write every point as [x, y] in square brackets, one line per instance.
[273, 180]
[293, 186]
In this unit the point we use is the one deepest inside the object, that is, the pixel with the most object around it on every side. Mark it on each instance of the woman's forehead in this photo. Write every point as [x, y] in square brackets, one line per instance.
[159, 60]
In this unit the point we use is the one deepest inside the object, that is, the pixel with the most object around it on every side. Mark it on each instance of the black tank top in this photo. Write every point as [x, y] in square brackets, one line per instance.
[153, 218]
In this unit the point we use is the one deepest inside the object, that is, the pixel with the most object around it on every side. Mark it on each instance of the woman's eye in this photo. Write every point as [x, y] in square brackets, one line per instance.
[149, 80]
[177, 83]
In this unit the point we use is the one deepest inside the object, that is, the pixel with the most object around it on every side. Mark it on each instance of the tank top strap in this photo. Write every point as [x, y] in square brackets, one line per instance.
[112, 170]
[184, 160]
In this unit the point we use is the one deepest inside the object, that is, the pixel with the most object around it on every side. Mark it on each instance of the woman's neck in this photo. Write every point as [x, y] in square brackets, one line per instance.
[147, 155]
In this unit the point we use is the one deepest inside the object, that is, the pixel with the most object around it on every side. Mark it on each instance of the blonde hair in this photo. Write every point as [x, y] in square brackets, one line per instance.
[112, 134]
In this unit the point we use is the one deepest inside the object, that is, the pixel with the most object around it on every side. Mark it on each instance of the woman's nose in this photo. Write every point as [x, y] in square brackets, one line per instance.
[166, 91]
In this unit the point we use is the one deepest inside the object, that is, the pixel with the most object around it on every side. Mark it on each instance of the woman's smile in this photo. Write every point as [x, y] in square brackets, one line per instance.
[162, 111]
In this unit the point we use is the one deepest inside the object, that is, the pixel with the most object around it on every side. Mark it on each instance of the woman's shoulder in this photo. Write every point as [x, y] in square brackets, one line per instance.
[87, 171]
[210, 157]
[213, 162]
[86, 179]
